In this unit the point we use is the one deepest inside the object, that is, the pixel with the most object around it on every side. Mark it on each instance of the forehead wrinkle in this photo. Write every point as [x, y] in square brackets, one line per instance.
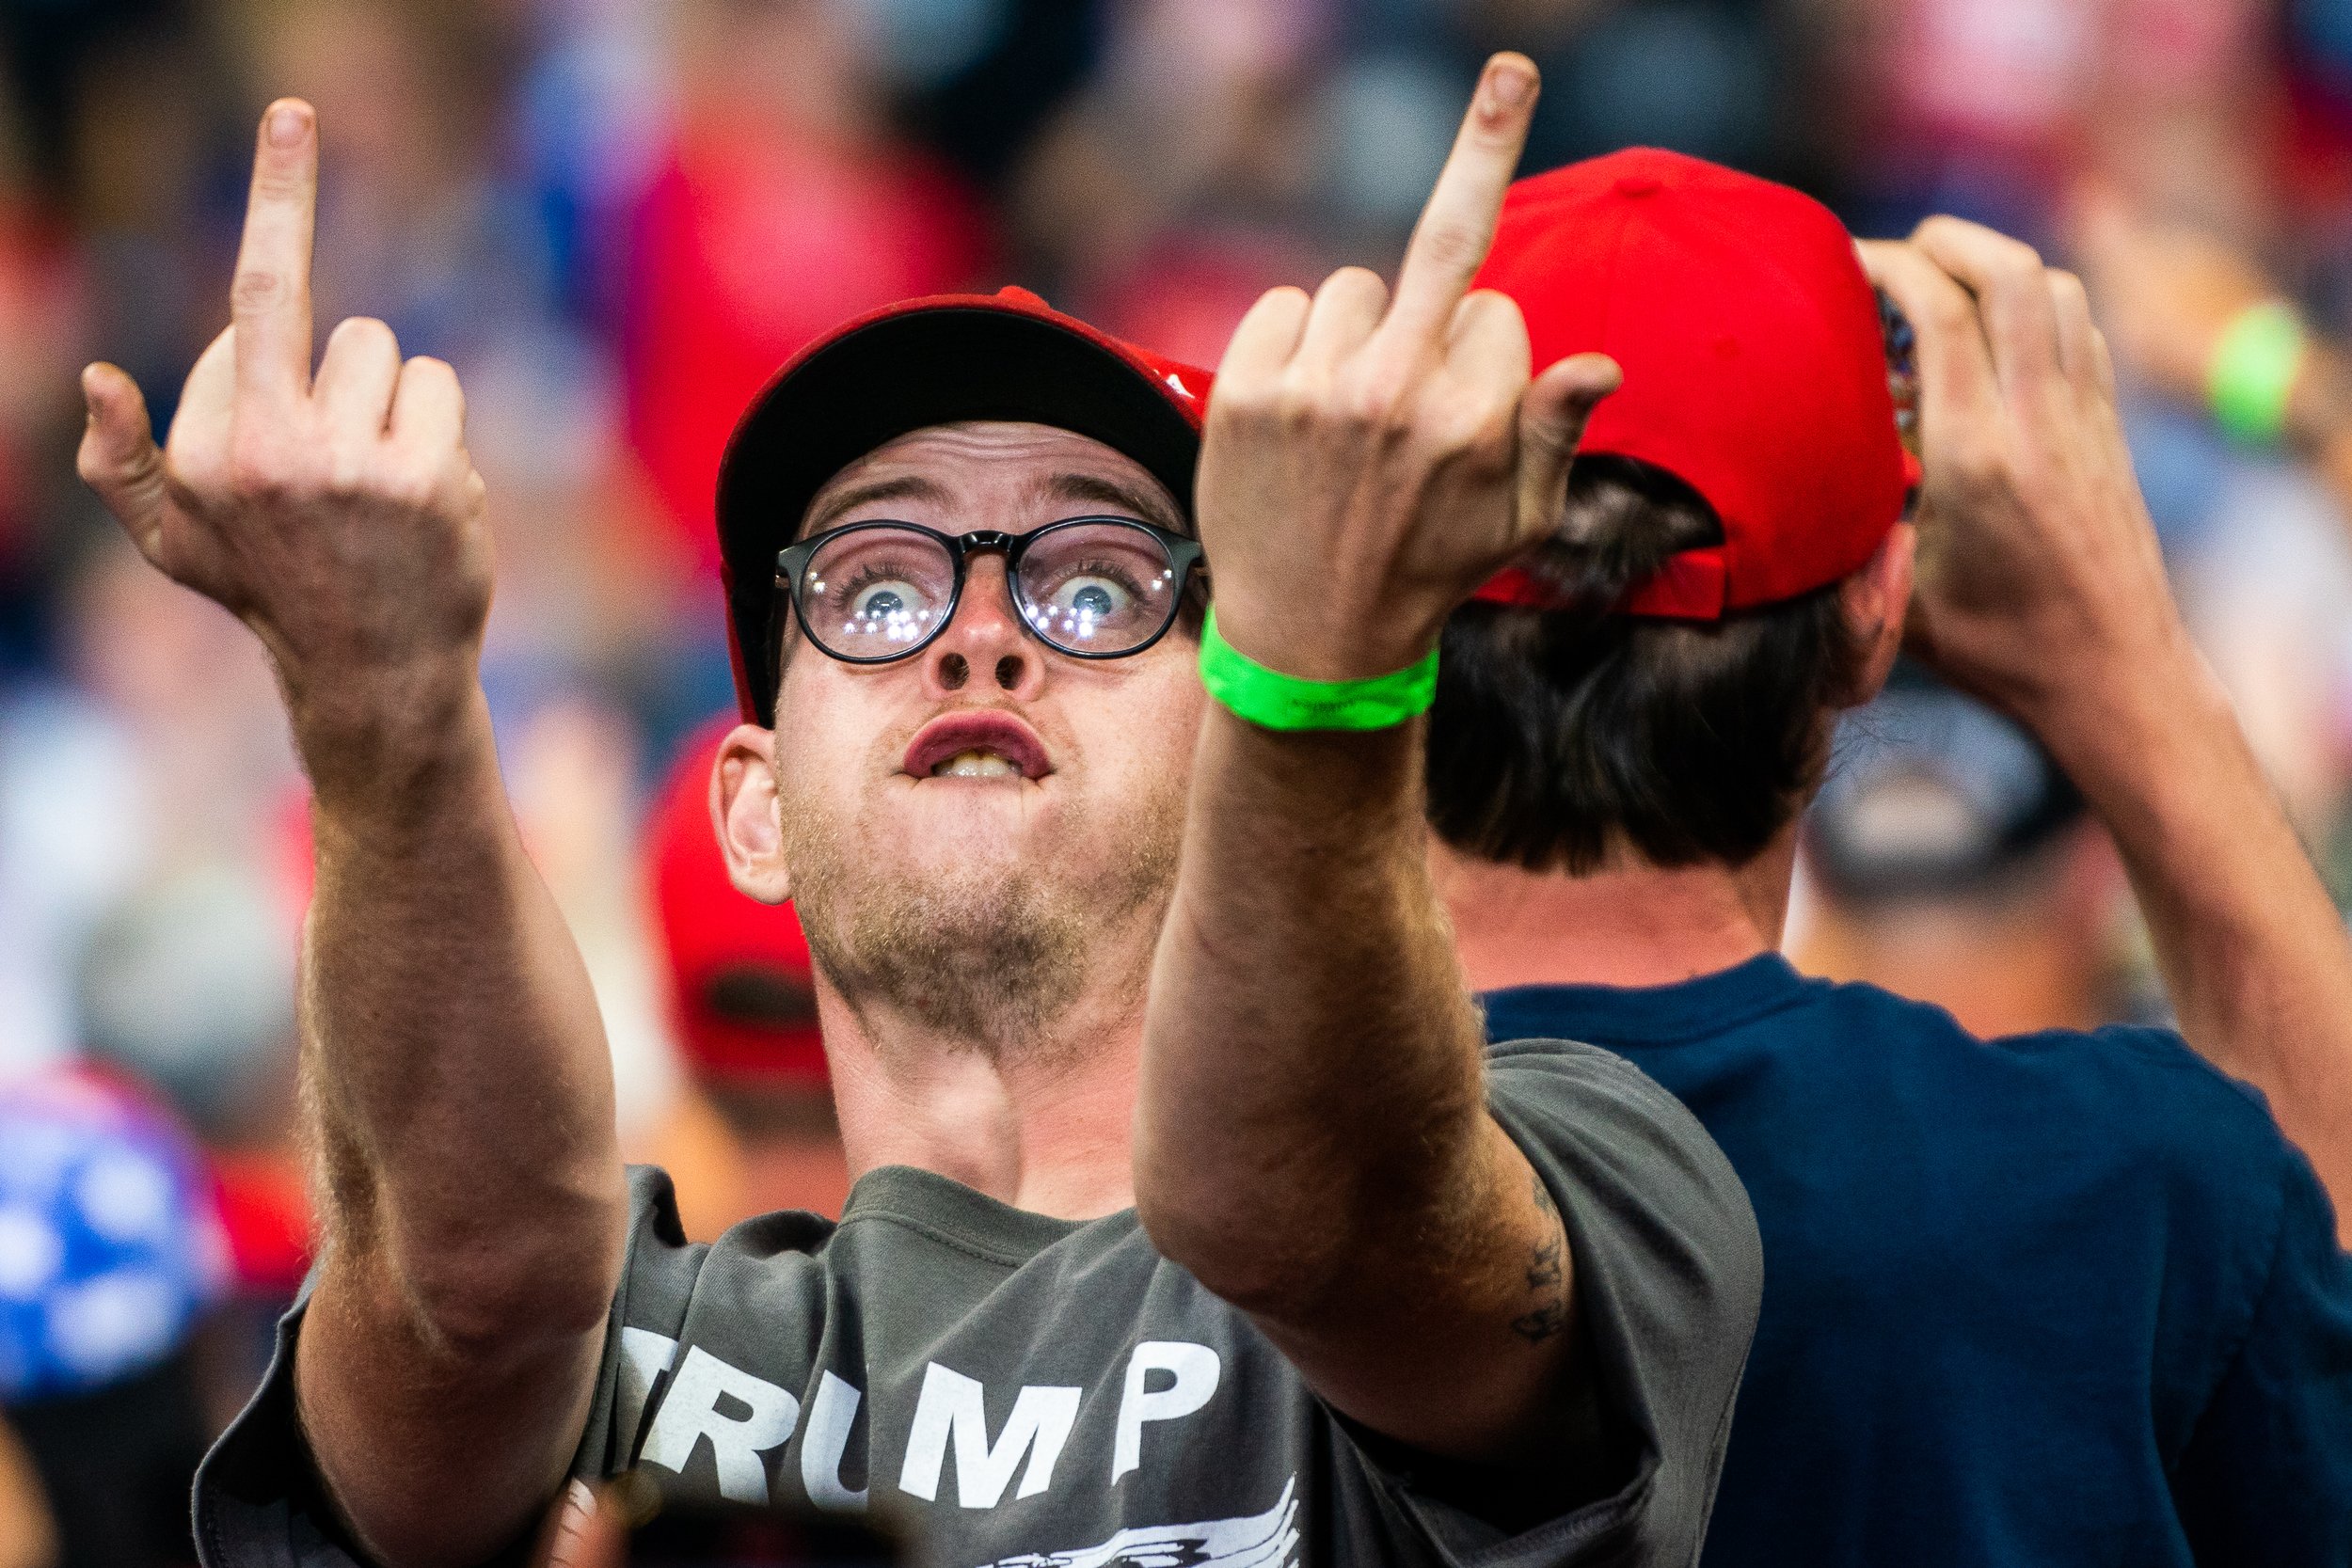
[1091, 489]
[829, 508]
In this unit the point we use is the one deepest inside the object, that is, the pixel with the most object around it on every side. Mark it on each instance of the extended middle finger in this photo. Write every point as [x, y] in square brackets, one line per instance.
[1457, 225]
[271, 295]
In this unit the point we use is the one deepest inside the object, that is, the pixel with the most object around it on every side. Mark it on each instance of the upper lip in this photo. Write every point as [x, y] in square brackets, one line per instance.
[976, 730]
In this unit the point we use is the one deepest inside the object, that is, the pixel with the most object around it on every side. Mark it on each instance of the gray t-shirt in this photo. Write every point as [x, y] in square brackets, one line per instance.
[1054, 1394]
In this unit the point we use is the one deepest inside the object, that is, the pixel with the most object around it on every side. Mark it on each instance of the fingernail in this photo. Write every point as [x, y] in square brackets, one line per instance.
[1513, 86]
[285, 125]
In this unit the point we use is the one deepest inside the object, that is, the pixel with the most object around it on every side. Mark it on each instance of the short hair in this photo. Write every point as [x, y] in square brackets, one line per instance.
[1561, 735]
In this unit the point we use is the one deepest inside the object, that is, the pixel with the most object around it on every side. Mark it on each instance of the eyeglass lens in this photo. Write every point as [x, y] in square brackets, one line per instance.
[1086, 588]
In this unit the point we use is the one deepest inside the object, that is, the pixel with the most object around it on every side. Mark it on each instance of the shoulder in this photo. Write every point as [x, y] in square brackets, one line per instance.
[1628, 1162]
[2124, 1111]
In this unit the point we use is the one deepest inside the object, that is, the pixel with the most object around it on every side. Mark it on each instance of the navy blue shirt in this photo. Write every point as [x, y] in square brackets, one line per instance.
[2059, 1298]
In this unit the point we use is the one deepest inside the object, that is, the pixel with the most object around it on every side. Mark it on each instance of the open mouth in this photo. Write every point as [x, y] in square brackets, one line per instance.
[978, 744]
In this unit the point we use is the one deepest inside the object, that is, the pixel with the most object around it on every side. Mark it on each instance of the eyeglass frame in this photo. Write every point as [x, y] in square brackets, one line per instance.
[1184, 556]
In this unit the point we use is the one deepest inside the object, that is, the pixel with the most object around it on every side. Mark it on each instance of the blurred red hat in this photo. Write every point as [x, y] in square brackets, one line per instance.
[1755, 364]
[739, 989]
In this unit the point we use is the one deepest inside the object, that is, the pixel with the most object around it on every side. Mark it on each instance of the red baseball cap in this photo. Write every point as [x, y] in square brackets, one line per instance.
[738, 981]
[1755, 365]
[921, 362]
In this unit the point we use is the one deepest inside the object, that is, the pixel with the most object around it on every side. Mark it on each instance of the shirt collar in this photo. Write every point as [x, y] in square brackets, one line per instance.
[1687, 1009]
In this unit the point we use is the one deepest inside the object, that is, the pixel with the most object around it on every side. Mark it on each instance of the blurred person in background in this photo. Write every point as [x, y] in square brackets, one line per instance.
[753, 1130]
[786, 204]
[1948, 859]
[1988, 1264]
[111, 1256]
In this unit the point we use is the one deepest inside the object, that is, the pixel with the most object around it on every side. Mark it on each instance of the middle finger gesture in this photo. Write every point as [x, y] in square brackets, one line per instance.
[1370, 460]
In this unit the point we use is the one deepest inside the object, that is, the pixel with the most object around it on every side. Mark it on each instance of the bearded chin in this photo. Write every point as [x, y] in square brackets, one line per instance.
[986, 956]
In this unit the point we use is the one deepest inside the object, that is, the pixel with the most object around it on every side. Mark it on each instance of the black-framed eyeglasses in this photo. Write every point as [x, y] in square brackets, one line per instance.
[1090, 587]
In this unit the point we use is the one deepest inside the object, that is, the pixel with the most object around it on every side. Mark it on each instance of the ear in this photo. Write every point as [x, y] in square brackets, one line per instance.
[744, 812]
[1875, 600]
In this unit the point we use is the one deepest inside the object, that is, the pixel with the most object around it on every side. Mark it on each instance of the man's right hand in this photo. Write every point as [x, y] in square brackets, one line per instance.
[457, 1088]
[339, 518]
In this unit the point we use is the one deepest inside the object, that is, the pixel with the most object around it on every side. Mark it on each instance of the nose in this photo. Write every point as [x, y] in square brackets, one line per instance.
[985, 645]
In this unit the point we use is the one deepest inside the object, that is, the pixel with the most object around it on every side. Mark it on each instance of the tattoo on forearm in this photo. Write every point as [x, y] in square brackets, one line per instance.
[1547, 1277]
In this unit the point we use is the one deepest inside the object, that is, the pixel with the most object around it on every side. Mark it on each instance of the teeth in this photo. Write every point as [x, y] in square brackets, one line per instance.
[975, 765]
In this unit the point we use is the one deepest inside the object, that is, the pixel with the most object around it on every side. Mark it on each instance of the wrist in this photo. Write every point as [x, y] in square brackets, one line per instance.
[376, 741]
[2108, 711]
[1275, 699]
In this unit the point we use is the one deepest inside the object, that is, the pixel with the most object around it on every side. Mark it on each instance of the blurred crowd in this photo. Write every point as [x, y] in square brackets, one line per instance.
[616, 217]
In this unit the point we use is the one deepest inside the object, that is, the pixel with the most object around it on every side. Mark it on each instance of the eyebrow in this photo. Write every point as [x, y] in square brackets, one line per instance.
[1134, 501]
[903, 488]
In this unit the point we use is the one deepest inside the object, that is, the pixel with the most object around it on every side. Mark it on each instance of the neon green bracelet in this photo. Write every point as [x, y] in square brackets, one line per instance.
[1274, 700]
[2253, 370]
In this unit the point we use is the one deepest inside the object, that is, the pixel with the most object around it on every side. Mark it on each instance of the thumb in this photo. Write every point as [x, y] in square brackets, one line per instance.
[118, 458]
[1552, 412]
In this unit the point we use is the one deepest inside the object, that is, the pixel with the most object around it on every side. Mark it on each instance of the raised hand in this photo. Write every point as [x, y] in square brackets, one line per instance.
[1370, 460]
[339, 518]
[2036, 553]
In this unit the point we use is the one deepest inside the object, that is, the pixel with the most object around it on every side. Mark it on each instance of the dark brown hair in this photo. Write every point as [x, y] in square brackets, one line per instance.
[1559, 734]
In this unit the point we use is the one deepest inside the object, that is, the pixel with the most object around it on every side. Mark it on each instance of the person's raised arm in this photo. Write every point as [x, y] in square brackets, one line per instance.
[1313, 1137]
[455, 1077]
[2042, 590]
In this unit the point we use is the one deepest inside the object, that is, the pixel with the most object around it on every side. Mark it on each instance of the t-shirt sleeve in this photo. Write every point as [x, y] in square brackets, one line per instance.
[2266, 1478]
[1668, 1273]
[658, 1276]
[259, 1502]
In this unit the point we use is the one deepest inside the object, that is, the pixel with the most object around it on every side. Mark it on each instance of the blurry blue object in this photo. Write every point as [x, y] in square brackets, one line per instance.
[2321, 31]
[2183, 466]
[1689, 78]
[110, 1246]
[922, 44]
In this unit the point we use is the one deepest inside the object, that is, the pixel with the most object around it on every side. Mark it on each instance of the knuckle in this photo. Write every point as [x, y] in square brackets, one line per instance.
[1375, 404]
[365, 332]
[1950, 312]
[256, 288]
[255, 477]
[1454, 247]
[259, 470]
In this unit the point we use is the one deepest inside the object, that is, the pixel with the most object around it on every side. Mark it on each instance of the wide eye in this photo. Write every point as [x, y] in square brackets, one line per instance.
[871, 590]
[1097, 587]
[1091, 597]
[893, 608]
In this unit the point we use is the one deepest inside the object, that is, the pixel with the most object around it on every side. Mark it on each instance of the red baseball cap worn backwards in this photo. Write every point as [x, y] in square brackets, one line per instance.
[1755, 365]
[921, 362]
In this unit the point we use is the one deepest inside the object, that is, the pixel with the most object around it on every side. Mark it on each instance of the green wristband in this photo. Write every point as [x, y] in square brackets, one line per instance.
[2253, 370]
[1274, 700]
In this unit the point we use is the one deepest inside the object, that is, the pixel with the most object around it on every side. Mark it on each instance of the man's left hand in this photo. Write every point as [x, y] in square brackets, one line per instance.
[1370, 460]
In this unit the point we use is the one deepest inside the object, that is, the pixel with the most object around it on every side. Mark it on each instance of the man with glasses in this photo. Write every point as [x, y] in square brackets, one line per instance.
[1382, 1297]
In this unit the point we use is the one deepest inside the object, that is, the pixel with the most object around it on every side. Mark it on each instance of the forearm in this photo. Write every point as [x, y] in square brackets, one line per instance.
[461, 1100]
[2254, 955]
[1312, 1063]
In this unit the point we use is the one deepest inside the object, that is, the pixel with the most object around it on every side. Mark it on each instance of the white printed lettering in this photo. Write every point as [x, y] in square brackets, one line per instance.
[644, 1356]
[830, 1416]
[952, 1404]
[1196, 1368]
[690, 1413]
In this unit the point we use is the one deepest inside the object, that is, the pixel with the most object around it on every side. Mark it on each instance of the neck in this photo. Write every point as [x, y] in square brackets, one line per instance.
[1044, 1127]
[1627, 923]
